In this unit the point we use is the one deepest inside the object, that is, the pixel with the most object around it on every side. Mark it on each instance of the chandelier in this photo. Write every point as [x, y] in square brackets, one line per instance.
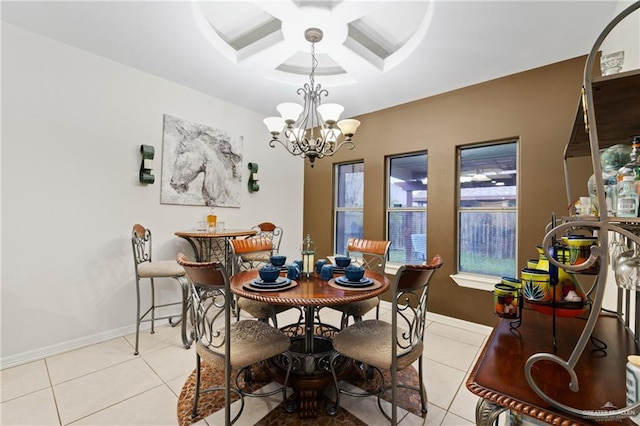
[311, 130]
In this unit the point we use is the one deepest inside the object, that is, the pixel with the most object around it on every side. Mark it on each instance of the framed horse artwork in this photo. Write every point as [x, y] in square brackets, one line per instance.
[201, 165]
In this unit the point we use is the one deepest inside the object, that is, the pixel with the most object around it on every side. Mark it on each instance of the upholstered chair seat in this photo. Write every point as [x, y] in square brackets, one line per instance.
[369, 341]
[160, 269]
[251, 342]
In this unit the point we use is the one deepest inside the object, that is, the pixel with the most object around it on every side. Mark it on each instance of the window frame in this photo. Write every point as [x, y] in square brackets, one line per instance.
[389, 209]
[336, 208]
[471, 279]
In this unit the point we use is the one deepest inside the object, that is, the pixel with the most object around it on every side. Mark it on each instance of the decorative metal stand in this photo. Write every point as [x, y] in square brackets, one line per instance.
[598, 253]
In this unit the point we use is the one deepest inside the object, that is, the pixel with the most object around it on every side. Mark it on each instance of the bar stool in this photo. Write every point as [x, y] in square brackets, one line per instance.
[145, 268]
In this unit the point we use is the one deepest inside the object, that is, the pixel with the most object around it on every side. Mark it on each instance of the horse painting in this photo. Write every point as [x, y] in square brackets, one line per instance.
[205, 165]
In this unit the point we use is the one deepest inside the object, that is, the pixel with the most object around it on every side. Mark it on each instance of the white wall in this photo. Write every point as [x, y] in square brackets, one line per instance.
[625, 37]
[72, 126]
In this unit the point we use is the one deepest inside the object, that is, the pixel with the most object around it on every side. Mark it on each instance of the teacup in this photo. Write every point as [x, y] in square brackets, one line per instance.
[278, 260]
[342, 261]
[354, 273]
[293, 272]
[319, 264]
[326, 273]
[269, 274]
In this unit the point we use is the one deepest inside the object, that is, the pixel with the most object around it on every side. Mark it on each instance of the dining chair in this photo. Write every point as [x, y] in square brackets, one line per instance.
[372, 255]
[269, 231]
[379, 345]
[226, 346]
[146, 268]
[240, 249]
[419, 246]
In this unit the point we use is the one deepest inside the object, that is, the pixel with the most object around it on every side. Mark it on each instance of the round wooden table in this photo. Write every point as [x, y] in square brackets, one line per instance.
[311, 348]
[213, 245]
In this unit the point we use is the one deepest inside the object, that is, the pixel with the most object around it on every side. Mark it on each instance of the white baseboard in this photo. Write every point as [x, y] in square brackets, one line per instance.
[69, 345]
[58, 348]
[454, 322]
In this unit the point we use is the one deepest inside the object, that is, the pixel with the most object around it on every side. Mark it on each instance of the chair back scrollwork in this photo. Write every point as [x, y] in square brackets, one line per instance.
[371, 254]
[271, 231]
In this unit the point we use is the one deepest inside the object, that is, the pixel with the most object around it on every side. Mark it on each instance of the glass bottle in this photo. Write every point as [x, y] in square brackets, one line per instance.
[611, 159]
[633, 383]
[627, 197]
[632, 168]
[212, 219]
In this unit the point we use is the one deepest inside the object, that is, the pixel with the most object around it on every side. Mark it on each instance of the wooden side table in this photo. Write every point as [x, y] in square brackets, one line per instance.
[498, 376]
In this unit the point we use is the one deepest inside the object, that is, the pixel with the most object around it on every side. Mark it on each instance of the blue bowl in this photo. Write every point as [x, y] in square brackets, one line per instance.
[354, 273]
[278, 260]
[343, 261]
[269, 274]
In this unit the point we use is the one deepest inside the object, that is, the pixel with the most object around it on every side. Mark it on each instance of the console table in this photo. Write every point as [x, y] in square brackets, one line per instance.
[499, 380]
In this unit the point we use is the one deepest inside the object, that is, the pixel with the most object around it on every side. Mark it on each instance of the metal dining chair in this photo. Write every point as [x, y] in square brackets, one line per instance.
[271, 231]
[227, 345]
[372, 255]
[379, 345]
[146, 268]
[241, 250]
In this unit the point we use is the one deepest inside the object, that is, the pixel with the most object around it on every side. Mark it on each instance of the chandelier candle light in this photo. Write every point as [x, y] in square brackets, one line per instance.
[311, 131]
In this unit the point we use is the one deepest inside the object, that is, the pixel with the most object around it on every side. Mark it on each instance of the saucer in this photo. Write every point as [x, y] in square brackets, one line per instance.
[278, 283]
[364, 282]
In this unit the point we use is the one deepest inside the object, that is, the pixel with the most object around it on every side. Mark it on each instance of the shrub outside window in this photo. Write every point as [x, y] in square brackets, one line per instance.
[407, 208]
[487, 214]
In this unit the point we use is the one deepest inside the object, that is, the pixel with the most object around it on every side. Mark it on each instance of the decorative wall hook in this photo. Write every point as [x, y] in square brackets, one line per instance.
[147, 164]
[252, 184]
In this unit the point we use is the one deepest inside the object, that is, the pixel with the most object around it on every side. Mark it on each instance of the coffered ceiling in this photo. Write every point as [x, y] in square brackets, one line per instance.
[374, 54]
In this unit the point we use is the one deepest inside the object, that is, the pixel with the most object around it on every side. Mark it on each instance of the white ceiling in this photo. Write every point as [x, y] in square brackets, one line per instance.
[375, 54]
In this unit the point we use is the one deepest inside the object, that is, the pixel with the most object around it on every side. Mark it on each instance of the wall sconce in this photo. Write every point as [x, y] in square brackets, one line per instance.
[147, 164]
[252, 184]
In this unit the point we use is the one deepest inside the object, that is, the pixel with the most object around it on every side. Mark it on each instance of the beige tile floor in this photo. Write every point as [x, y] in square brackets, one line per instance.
[105, 384]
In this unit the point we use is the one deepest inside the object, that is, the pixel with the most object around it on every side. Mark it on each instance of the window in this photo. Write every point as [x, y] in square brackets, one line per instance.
[487, 213]
[349, 202]
[407, 208]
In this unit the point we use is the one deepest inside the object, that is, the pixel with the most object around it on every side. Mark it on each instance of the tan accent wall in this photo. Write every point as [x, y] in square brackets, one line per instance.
[538, 107]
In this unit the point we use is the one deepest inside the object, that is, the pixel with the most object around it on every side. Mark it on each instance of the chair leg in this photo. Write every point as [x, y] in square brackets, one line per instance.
[153, 306]
[424, 399]
[196, 393]
[332, 410]
[184, 284]
[137, 314]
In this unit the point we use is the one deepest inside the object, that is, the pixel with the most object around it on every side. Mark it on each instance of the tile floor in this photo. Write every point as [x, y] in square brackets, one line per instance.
[105, 384]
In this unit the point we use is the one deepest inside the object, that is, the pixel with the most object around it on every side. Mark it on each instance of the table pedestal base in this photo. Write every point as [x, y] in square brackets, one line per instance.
[310, 375]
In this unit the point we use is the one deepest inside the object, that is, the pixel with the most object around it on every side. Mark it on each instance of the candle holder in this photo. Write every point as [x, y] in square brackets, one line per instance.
[308, 256]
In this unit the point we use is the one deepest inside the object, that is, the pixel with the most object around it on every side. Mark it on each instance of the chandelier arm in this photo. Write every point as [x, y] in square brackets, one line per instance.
[285, 145]
[340, 145]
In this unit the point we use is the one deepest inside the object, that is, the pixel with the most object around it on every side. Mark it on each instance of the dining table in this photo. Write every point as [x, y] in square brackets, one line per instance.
[311, 346]
[210, 245]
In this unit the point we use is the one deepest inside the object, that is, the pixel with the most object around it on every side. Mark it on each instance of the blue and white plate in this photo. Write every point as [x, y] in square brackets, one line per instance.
[364, 282]
[278, 283]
